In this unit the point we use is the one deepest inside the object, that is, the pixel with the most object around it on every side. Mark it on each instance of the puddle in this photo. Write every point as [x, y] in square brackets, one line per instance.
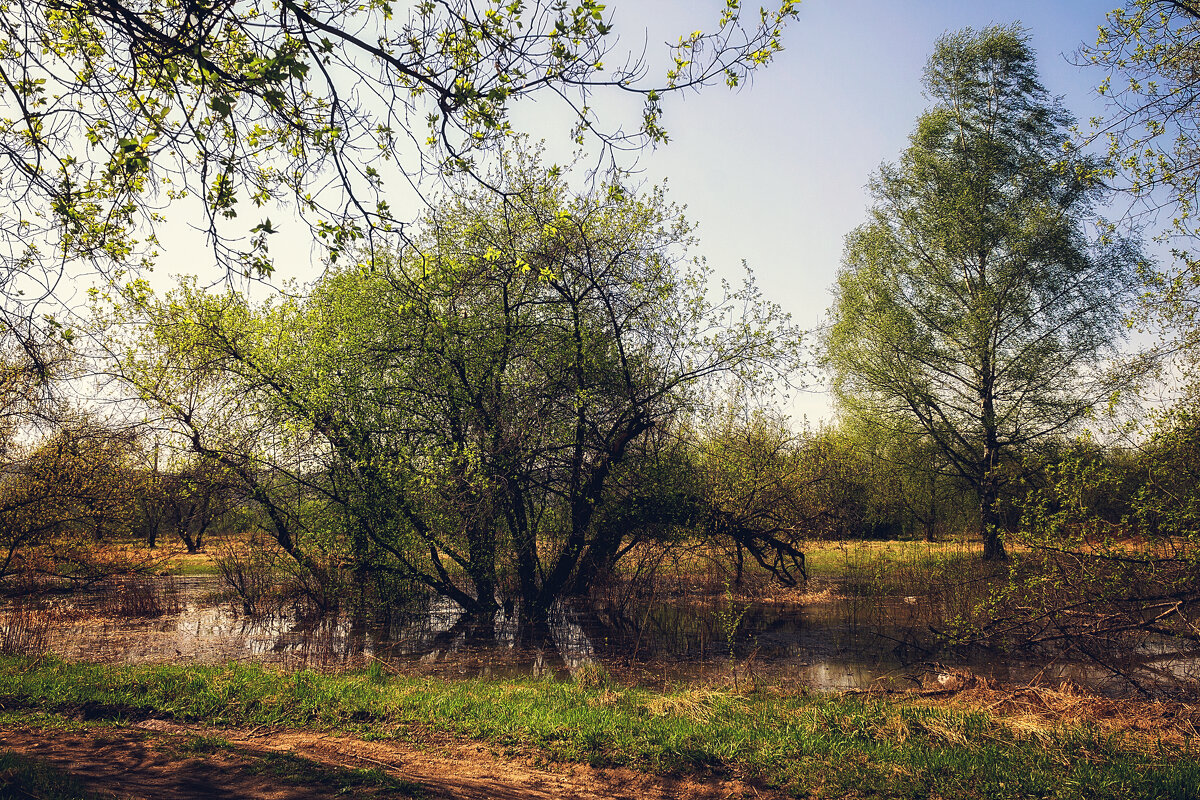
[826, 645]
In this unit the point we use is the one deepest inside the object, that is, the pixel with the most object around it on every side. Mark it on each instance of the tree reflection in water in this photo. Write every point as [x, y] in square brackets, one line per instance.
[826, 645]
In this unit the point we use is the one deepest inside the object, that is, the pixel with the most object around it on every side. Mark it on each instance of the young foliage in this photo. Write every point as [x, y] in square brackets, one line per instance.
[459, 410]
[1149, 51]
[1112, 566]
[115, 110]
[976, 307]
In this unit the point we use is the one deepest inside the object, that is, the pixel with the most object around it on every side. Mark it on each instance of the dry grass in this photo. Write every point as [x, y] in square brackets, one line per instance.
[800, 595]
[24, 631]
[696, 705]
[1038, 711]
[140, 597]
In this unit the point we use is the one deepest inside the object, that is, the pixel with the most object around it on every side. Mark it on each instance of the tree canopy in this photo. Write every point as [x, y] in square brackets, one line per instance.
[118, 109]
[1149, 51]
[464, 408]
[976, 307]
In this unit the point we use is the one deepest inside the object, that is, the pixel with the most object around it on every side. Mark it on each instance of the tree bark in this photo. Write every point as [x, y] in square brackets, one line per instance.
[989, 523]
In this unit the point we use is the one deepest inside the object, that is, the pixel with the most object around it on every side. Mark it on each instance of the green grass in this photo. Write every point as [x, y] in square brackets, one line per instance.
[904, 568]
[818, 746]
[830, 559]
[191, 568]
[23, 777]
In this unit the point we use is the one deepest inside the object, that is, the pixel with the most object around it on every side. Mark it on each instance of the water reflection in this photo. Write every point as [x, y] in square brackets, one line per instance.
[438, 632]
[825, 645]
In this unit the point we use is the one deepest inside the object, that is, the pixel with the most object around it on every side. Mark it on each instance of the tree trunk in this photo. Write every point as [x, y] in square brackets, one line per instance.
[989, 492]
[930, 521]
[741, 563]
[525, 544]
[481, 552]
[989, 523]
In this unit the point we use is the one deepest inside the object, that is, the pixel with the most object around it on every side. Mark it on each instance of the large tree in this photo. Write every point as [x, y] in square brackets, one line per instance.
[977, 307]
[125, 120]
[461, 411]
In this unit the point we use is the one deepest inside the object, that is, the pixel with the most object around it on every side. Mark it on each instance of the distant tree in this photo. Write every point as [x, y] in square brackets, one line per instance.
[976, 309]
[187, 496]
[764, 490]
[748, 478]
[66, 500]
[914, 483]
[837, 491]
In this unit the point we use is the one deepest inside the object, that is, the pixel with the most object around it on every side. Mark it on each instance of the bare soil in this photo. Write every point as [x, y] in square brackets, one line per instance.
[160, 759]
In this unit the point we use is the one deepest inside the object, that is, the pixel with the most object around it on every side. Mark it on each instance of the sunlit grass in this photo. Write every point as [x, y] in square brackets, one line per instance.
[823, 746]
[200, 564]
[830, 560]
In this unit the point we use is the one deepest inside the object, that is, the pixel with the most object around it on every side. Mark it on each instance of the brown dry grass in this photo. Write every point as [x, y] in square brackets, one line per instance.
[696, 705]
[1038, 710]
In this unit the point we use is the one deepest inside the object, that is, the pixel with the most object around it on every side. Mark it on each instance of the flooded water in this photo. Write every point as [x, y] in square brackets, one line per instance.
[825, 645]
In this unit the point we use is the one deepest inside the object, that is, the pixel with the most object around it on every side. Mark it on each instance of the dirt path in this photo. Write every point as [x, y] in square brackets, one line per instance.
[158, 759]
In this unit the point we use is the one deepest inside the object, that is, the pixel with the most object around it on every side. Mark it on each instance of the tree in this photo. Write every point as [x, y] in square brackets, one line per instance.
[62, 499]
[1150, 50]
[1113, 540]
[914, 484]
[750, 472]
[117, 109]
[975, 307]
[460, 412]
[187, 495]
[1150, 53]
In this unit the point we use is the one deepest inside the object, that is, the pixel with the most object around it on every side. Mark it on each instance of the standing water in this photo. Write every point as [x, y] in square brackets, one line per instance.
[826, 644]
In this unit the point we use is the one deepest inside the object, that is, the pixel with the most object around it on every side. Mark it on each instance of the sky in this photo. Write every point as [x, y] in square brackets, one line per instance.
[775, 173]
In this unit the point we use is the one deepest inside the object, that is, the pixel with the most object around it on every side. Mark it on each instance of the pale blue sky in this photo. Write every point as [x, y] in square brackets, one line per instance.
[775, 173]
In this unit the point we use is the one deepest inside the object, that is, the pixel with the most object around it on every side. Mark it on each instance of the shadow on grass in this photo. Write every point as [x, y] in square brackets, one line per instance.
[23, 777]
[196, 766]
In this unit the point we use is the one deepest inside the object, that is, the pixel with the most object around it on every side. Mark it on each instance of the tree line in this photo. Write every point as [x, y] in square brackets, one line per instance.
[509, 395]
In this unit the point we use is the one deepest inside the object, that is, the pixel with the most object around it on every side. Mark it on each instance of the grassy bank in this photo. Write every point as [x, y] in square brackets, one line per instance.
[874, 568]
[822, 746]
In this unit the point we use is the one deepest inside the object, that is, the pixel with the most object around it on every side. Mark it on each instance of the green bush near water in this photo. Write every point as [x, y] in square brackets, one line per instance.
[816, 746]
